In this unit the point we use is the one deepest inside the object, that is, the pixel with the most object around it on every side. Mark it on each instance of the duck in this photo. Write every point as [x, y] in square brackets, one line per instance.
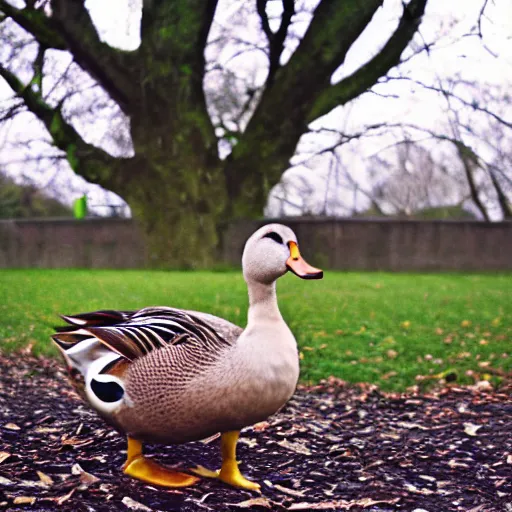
[168, 376]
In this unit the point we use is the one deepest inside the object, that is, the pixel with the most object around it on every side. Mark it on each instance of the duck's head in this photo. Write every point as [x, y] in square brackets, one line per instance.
[270, 252]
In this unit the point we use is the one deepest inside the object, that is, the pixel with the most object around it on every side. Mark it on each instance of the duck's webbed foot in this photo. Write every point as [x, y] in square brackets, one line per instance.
[229, 472]
[138, 466]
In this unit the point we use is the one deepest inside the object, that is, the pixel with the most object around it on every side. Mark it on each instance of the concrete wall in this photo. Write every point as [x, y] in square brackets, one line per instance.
[56, 243]
[402, 245]
[357, 244]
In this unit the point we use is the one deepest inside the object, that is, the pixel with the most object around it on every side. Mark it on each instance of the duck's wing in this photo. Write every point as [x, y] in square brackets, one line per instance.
[132, 334]
[226, 329]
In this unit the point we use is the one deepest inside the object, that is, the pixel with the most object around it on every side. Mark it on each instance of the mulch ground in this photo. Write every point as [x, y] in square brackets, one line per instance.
[334, 447]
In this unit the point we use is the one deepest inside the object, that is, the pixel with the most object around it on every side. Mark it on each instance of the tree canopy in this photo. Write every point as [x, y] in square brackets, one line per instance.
[175, 179]
[25, 201]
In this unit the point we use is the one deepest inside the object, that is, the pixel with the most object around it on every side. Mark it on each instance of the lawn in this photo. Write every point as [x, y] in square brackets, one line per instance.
[395, 330]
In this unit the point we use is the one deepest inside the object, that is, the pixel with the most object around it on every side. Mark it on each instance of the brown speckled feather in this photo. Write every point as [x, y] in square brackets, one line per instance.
[133, 334]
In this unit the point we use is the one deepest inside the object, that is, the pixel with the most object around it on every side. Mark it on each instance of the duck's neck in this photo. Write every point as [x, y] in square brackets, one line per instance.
[262, 303]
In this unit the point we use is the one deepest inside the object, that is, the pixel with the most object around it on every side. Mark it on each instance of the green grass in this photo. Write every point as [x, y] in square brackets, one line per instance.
[375, 327]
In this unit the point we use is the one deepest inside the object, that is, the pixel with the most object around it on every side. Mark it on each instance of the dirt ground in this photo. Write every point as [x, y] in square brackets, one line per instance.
[334, 447]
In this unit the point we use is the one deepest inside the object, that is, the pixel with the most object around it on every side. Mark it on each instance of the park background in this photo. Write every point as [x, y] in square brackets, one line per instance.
[143, 141]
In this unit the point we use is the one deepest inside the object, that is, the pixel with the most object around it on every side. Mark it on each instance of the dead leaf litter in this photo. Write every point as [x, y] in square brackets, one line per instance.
[333, 447]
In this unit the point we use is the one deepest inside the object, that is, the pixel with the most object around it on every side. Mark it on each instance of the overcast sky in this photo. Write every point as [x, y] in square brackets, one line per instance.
[445, 23]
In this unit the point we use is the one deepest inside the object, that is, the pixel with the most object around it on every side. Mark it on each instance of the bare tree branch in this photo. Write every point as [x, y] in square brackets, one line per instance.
[13, 110]
[261, 7]
[70, 28]
[469, 162]
[106, 64]
[86, 160]
[505, 205]
[37, 78]
[35, 22]
[474, 105]
[275, 39]
[367, 75]
[479, 29]
[335, 26]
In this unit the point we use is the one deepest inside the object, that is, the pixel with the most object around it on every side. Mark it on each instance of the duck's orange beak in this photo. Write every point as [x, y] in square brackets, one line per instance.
[298, 265]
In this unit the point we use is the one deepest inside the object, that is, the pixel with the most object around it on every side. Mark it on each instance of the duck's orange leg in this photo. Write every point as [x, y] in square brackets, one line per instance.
[138, 466]
[229, 472]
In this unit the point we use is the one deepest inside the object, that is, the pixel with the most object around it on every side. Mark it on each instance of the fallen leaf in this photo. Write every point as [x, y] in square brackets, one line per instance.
[134, 505]
[396, 437]
[255, 502]
[251, 443]
[4, 456]
[341, 504]
[76, 469]
[470, 429]
[47, 430]
[291, 492]
[74, 441]
[413, 488]
[294, 447]
[405, 324]
[406, 424]
[12, 426]
[392, 354]
[45, 479]
[86, 479]
[454, 464]
[465, 323]
[5, 481]
[261, 426]
[66, 497]
[24, 500]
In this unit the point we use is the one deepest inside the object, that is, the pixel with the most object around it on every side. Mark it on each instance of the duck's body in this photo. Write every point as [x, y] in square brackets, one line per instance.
[241, 384]
[170, 376]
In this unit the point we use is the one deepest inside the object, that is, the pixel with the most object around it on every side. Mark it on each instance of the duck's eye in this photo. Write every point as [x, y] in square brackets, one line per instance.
[107, 391]
[274, 236]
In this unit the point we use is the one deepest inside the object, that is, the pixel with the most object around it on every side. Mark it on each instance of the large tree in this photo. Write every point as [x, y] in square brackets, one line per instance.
[176, 183]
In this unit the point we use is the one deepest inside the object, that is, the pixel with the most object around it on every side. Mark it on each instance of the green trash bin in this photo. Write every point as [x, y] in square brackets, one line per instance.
[80, 207]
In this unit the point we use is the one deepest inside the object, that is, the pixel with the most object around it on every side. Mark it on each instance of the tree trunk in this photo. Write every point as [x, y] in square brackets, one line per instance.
[176, 238]
[176, 191]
